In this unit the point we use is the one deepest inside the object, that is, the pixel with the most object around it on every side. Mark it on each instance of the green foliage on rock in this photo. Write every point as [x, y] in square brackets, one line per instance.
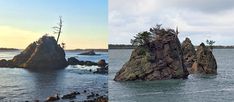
[142, 38]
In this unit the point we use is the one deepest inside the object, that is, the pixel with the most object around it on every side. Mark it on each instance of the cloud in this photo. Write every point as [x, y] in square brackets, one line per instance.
[199, 20]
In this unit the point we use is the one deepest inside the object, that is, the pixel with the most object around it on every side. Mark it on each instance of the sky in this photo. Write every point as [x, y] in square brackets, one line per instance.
[85, 22]
[197, 19]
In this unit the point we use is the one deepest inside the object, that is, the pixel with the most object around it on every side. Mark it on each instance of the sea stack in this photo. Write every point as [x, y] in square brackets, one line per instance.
[205, 61]
[189, 53]
[42, 54]
[161, 59]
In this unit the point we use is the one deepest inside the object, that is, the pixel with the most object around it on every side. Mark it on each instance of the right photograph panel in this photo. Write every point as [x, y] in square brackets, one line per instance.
[171, 51]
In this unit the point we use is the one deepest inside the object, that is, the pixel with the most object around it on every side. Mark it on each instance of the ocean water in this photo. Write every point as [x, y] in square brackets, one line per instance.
[197, 88]
[18, 85]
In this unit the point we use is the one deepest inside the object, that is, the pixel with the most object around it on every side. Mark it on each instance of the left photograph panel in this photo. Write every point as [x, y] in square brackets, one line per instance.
[54, 50]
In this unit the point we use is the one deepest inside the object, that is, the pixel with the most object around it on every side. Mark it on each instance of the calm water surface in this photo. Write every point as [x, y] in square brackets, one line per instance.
[197, 88]
[18, 84]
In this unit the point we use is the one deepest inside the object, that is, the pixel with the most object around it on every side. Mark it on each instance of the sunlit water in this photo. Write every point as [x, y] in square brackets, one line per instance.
[197, 88]
[17, 84]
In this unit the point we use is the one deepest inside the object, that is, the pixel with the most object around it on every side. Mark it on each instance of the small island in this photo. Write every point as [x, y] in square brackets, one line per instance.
[91, 52]
[159, 55]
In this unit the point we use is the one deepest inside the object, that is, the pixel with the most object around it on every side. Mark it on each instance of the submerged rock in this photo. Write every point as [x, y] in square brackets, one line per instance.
[42, 54]
[52, 98]
[189, 53]
[101, 99]
[162, 59]
[205, 61]
[71, 95]
[91, 52]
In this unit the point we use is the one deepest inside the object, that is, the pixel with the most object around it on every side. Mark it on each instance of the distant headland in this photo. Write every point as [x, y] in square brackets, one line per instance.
[96, 50]
[126, 46]
[9, 49]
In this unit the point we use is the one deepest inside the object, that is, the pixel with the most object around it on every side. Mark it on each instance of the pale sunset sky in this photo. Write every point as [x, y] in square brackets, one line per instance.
[24, 21]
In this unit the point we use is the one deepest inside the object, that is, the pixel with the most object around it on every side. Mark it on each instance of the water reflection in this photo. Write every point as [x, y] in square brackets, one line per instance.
[46, 83]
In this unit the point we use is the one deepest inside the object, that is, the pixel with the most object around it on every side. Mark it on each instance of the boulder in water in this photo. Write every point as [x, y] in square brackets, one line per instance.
[102, 63]
[72, 61]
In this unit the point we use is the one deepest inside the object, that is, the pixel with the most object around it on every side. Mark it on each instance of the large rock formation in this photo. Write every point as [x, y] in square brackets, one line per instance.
[162, 59]
[188, 53]
[42, 54]
[205, 61]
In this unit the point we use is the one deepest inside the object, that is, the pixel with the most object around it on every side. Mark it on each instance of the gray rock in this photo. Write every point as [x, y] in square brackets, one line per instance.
[72, 61]
[205, 61]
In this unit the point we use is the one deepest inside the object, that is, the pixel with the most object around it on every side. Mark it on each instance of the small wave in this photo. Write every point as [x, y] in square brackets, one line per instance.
[142, 94]
[202, 91]
[18, 89]
[149, 93]
[13, 86]
[2, 97]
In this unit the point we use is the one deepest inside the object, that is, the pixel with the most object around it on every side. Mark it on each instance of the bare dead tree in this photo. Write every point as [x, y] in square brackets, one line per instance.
[58, 28]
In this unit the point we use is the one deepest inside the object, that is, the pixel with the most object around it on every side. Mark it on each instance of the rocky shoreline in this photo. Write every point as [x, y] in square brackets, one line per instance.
[90, 97]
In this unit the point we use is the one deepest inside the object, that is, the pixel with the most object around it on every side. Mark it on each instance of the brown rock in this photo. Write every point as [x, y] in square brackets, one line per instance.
[205, 61]
[161, 60]
[42, 54]
[102, 63]
[188, 53]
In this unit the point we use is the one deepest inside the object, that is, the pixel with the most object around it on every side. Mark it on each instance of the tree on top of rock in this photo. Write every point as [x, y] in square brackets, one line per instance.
[142, 38]
[146, 37]
[210, 43]
[58, 29]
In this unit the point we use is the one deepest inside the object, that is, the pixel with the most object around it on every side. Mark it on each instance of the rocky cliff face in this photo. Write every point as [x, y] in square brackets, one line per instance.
[205, 61]
[189, 53]
[162, 59]
[42, 54]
